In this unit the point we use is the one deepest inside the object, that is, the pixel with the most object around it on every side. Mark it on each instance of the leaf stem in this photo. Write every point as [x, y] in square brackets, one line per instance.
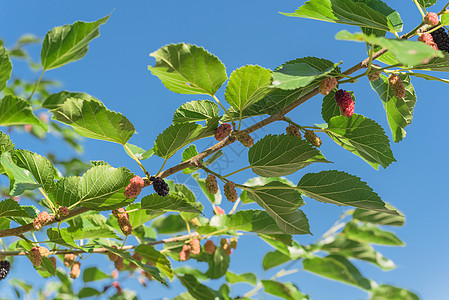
[225, 110]
[160, 170]
[136, 159]
[239, 170]
[36, 85]
[53, 208]
[419, 8]
[234, 208]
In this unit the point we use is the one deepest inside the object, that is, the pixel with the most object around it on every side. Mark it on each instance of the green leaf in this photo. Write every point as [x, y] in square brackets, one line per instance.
[159, 260]
[94, 274]
[389, 292]
[301, 72]
[10, 208]
[260, 181]
[380, 218]
[169, 224]
[177, 136]
[281, 203]
[408, 53]
[188, 69]
[194, 111]
[6, 145]
[189, 270]
[20, 179]
[218, 264]
[41, 168]
[247, 85]
[363, 137]
[154, 202]
[399, 110]
[393, 17]
[86, 292]
[278, 155]
[198, 290]
[371, 234]
[344, 246]
[436, 64]
[427, 3]
[62, 237]
[5, 67]
[338, 268]
[56, 100]
[94, 233]
[16, 111]
[246, 277]
[246, 220]
[139, 153]
[100, 188]
[344, 12]
[286, 290]
[329, 108]
[90, 118]
[138, 216]
[341, 188]
[273, 259]
[68, 43]
[187, 154]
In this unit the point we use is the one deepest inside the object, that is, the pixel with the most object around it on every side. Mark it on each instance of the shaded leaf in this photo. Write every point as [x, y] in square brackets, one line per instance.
[159, 260]
[278, 155]
[218, 264]
[154, 202]
[62, 237]
[246, 277]
[273, 259]
[198, 290]
[94, 274]
[20, 179]
[194, 111]
[363, 137]
[286, 290]
[10, 208]
[389, 292]
[188, 69]
[371, 234]
[341, 188]
[427, 3]
[380, 218]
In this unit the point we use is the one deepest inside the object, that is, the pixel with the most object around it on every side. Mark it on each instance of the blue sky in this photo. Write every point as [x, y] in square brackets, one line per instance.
[239, 33]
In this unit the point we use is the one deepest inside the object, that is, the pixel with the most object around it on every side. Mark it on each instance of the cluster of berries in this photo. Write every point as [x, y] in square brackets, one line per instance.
[227, 246]
[160, 186]
[41, 220]
[293, 130]
[36, 253]
[438, 39]
[223, 131]
[191, 248]
[134, 187]
[345, 103]
[5, 266]
[123, 220]
[397, 86]
[118, 261]
[229, 190]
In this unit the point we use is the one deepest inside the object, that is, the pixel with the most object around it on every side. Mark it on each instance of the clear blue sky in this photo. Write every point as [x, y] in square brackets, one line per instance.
[240, 33]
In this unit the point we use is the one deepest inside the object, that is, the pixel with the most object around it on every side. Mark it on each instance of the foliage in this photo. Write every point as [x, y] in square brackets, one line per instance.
[269, 206]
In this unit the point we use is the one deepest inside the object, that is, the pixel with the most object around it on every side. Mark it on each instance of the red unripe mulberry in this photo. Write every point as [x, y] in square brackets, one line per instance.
[134, 187]
[35, 256]
[223, 131]
[345, 102]
[209, 247]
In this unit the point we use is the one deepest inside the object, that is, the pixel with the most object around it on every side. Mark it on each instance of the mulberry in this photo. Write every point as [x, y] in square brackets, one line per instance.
[245, 139]
[211, 184]
[112, 256]
[160, 186]
[431, 19]
[44, 251]
[185, 253]
[233, 243]
[397, 86]
[69, 259]
[441, 38]
[218, 210]
[225, 246]
[195, 246]
[312, 138]
[75, 270]
[5, 266]
[373, 76]
[119, 264]
[209, 247]
[123, 220]
[42, 219]
[327, 85]
[35, 256]
[134, 187]
[345, 102]
[53, 261]
[63, 211]
[230, 192]
[137, 257]
[223, 131]
[293, 130]
[427, 39]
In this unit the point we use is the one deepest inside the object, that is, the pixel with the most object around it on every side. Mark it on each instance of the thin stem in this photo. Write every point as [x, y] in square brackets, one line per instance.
[444, 9]
[188, 228]
[3, 245]
[419, 8]
[136, 159]
[36, 85]
[34, 237]
[225, 110]
[124, 242]
[234, 208]
[53, 208]
[239, 170]
[162, 167]
[371, 52]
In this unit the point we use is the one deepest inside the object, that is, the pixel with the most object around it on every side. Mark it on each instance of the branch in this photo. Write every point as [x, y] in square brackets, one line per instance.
[103, 250]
